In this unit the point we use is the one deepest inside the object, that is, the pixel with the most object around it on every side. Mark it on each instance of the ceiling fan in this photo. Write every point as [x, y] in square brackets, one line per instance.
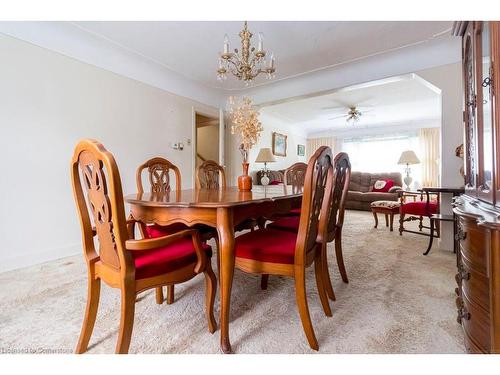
[354, 112]
[353, 115]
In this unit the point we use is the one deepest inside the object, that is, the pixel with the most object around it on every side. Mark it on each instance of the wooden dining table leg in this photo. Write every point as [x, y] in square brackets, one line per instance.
[225, 229]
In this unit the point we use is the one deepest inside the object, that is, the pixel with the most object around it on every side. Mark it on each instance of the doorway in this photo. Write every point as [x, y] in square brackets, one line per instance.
[207, 139]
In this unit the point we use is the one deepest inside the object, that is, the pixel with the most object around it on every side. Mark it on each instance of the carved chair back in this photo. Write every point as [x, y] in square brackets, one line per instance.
[295, 175]
[342, 175]
[318, 182]
[159, 175]
[98, 194]
[210, 175]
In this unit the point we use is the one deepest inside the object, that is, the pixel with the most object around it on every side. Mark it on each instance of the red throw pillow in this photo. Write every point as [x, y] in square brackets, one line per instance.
[275, 182]
[383, 185]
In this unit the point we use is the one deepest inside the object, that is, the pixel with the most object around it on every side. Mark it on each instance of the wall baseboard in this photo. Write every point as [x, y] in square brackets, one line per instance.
[23, 261]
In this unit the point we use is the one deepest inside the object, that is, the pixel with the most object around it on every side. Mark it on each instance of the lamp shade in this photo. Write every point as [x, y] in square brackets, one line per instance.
[265, 156]
[408, 157]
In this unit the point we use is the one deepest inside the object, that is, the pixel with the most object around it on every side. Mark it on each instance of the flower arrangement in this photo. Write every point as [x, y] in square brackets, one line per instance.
[245, 122]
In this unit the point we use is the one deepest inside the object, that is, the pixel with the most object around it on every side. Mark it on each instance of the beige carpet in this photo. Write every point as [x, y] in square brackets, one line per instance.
[397, 301]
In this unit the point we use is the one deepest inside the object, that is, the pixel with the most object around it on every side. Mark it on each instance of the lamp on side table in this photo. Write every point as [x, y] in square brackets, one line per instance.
[265, 156]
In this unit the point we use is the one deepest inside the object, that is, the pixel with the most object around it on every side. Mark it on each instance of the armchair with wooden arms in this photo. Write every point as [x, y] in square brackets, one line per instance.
[122, 262]
[418, 209]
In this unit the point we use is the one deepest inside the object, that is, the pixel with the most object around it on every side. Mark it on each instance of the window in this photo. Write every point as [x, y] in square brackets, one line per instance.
[381, 153]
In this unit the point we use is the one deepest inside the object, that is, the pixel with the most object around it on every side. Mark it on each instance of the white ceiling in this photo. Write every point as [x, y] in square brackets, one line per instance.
[191, 48]
[400, 101]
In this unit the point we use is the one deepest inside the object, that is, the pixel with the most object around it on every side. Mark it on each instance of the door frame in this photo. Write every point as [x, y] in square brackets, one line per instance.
[209, 112]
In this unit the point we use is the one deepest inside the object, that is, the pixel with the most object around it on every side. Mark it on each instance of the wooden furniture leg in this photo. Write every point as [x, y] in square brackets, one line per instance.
[376, 218]
[386, 220]
[301, 296]
[327, 280]
[225, 229]
[211, 289]
[391, 217]
[127, 319]
[320, 279]
[263, 281]
[170, 294]
[159, 295]
[431, 237]
[339, 256]
[94, 289]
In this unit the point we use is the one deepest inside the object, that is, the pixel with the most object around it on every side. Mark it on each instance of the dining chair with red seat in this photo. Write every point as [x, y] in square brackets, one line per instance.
[133, 266]
[418, 210]
[342, 173]
[275, 252]
[159, 170]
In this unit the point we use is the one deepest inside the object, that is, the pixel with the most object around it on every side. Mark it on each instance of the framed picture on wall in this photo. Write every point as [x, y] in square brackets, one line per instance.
[279, 144]
[301, 150]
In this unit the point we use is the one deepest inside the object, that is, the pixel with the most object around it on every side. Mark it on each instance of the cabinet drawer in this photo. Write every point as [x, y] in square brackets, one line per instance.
[474, 245]
[475, 285]
[476, 323]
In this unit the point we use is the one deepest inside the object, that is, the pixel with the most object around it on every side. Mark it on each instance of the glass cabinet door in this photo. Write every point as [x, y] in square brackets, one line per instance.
[484, 112]
[470, 113]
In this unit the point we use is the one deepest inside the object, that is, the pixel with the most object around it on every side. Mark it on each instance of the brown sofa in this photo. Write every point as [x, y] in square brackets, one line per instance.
[360, 195]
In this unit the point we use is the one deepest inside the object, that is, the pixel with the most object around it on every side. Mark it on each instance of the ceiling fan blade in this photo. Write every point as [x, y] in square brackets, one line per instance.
[334, 108]
[336, 117]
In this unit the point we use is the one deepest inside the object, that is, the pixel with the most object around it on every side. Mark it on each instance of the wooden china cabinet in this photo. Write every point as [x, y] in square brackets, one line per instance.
[478, 210]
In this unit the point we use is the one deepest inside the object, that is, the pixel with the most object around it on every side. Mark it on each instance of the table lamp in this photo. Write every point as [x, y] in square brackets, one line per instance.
[408, 157]
[265, 156]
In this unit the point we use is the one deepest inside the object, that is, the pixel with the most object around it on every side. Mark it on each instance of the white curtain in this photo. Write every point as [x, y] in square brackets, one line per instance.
[314, 143]
[429, 156]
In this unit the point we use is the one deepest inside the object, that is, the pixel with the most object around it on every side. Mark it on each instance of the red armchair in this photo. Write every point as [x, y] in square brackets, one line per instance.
[417, 210]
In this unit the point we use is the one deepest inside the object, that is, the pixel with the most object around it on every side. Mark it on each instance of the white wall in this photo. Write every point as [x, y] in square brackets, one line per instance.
[270, 125]
[47, 103]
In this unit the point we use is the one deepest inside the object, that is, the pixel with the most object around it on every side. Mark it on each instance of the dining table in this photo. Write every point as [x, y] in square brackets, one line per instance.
[221, 209]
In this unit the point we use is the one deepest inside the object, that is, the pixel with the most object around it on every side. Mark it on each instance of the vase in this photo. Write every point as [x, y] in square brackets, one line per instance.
[245, 181]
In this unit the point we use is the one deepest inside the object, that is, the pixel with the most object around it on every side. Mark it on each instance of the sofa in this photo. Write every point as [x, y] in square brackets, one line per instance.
[360, 194]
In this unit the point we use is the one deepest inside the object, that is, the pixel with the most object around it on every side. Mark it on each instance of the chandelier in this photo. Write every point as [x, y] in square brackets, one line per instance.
[247, 63]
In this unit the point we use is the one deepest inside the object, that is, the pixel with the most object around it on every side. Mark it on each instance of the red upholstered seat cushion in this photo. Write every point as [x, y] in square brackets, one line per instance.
[155, 230]
[419, 208]
[267, 245]
[295, 211]
[289, 223]
[149, 263]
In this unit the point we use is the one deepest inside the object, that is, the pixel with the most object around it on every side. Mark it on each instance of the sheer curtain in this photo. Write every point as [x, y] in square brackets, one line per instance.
[314, 143]
[380, 153]
[429, 155]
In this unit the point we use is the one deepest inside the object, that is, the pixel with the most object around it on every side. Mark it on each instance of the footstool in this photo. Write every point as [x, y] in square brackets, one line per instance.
[388, 208]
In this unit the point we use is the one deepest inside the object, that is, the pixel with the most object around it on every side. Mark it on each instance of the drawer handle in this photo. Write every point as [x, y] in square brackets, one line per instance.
[462, 274]
[461, 235]
[463, 314]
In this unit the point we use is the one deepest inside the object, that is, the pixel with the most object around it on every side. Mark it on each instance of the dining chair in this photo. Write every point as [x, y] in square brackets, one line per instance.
[342, 174]
[210, 175]
[159, 170]
[294, 176]
[122, 262]
[275, 252]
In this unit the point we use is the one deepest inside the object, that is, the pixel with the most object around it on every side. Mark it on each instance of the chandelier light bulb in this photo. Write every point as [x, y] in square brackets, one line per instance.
[226, 43]
[261, 42]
